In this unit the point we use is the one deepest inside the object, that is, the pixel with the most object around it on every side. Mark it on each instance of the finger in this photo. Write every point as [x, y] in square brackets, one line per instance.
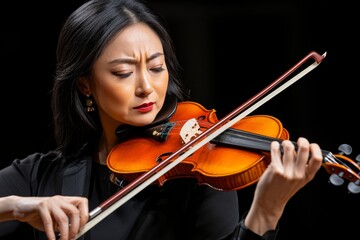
[83, 207]
[275, 153]
[62, 224]
[78, 213]
[75, 220]
[302, 156]
[74, 226]
[288, 158]
[60, 210]
[48, 224]
[315, 161]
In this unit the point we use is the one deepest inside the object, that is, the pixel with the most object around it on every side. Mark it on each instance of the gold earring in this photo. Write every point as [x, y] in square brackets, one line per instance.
[89, 104]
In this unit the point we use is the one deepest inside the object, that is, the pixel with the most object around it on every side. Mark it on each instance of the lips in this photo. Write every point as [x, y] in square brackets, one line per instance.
[146, 107]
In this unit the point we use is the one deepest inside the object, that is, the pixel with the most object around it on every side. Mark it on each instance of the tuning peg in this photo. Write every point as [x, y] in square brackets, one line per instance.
[357, 159]
[354, 187]
[345, 149]
[336, 179]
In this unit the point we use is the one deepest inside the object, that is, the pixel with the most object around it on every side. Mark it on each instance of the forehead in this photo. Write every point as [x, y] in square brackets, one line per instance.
[136, 37]
[137, 30]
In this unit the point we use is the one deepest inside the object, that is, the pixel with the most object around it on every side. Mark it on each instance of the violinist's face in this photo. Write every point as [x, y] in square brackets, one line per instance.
[129, 80]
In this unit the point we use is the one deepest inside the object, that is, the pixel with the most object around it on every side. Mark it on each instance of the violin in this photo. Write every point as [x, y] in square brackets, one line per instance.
[234, 159]
[225, 163]
[188, 140]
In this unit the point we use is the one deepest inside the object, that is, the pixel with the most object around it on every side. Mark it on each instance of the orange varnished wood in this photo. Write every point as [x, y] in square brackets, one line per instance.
[220, 167]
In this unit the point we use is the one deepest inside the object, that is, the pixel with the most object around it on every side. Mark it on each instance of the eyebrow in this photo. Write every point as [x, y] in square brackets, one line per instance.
[133, 61]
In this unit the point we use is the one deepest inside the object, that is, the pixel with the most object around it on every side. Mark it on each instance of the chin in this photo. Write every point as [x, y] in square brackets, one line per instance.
[143, 121]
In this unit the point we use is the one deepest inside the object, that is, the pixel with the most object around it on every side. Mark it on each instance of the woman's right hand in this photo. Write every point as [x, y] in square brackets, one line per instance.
[62, 215]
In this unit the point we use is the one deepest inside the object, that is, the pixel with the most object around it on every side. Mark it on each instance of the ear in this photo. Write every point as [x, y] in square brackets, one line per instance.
[82, 83]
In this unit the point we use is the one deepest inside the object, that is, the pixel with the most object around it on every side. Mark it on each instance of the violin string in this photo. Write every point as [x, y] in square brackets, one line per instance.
[261, 139]
[249, 140]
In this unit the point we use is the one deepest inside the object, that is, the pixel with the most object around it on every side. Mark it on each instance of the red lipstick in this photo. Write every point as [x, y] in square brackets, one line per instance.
[146, 107]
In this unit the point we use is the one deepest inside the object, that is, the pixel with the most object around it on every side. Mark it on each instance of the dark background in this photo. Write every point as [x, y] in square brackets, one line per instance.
[229, 51]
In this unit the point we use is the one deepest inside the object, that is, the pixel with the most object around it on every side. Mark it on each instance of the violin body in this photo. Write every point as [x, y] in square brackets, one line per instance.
[218, 164]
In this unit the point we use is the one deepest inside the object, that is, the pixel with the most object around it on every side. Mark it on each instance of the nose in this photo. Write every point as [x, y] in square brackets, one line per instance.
[144, 86]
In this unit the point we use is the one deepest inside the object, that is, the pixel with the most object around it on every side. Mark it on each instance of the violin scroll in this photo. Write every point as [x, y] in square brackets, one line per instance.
[343, 168]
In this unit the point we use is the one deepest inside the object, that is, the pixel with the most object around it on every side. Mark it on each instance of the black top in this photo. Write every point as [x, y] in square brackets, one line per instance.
[181, 209]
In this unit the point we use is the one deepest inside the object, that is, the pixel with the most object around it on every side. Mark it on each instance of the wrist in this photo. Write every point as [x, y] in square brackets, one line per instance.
[260, 220]
[246, 233]
[7, 208]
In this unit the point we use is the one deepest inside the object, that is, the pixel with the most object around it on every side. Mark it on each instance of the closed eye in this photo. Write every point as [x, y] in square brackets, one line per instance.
[123, 75]
[157, 69]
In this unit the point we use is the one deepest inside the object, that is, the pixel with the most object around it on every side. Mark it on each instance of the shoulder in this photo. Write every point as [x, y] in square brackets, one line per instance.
[37, 158]
[22, 174]
[49, 159]
[35, 165]
[31, 162]
[43, 173]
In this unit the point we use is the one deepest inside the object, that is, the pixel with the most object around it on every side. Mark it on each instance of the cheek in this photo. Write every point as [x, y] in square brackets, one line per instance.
[161, 89]
[113, 99]
[162, 86]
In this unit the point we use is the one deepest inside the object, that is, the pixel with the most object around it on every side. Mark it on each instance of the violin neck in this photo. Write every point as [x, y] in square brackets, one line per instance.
[247, 140]
[242, 139]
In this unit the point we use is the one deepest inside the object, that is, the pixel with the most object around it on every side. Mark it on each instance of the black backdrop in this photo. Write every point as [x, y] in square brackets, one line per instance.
[229, 51]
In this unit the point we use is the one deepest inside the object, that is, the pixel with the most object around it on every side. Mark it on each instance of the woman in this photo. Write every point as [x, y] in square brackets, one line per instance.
[116, 68]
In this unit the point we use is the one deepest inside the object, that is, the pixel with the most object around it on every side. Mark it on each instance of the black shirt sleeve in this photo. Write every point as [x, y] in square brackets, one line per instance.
[247, 234]
[241, 232]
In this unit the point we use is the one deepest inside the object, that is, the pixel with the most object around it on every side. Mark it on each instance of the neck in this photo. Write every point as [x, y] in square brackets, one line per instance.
[103, 150]
[107, 141]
